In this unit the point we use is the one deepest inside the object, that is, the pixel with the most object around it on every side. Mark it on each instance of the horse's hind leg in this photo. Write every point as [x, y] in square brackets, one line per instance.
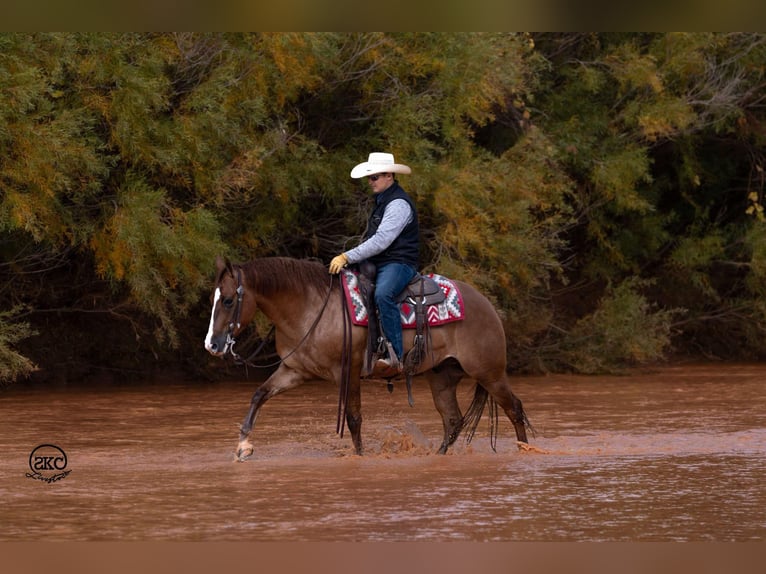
[511, 405]
[443, 381]
[518, 418]
[281, 380]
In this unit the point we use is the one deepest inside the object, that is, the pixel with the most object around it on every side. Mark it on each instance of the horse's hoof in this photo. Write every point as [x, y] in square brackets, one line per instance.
[244, 451]
[526, 447]
[243, 455]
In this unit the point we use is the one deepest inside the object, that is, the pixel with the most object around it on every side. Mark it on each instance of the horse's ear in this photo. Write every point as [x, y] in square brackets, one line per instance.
[220, 264]
[223, 264]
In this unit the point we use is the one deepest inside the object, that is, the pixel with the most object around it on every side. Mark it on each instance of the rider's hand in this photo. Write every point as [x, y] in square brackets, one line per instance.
[338, 263]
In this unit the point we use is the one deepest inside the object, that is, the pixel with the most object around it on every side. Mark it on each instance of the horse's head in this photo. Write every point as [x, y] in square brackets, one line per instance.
[229, 308]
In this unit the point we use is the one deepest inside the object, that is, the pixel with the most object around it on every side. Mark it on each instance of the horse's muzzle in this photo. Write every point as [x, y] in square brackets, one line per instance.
[218, 346]
[213, 349]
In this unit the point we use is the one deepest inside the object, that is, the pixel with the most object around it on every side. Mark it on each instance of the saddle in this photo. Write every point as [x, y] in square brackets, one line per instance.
[420, 292]
[423, 291]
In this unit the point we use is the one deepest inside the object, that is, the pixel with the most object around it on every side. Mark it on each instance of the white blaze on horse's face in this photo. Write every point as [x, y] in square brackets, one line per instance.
[209, 345]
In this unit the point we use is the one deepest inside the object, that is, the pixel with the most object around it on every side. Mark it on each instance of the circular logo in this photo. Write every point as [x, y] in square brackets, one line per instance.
[48, 463]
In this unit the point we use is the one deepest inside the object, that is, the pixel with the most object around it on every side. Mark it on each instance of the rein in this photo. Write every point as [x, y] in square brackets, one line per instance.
[247, 361]
[345, 377]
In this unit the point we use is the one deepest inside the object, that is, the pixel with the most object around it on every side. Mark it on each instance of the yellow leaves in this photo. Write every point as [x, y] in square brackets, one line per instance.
[33, 208]
[655, 127]
[654, 81]
[159, 250]
[634, 70]
[296, 64]
[755, 207]
[488, 227]
[111, 255]
[12, 364]
[289, 52]
[664, 118]
[618, 176]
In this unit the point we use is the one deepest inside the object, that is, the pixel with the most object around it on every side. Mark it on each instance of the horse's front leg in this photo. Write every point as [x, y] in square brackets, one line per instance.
[354, 413]
[282, 379]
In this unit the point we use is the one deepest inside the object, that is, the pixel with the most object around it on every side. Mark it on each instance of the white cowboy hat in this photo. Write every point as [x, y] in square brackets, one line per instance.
[379, 163]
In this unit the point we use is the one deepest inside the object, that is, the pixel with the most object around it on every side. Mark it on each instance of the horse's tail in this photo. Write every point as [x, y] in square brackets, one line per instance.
[473, 415]
[476, 409]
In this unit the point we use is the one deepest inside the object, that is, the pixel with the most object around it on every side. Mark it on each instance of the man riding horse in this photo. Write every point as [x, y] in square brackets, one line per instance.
[316, 338]
[391, 243]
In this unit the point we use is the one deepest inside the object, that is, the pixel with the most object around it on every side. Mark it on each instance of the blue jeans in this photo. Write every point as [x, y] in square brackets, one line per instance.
[390, 281]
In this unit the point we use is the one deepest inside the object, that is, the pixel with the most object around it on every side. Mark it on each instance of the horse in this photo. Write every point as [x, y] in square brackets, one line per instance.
[310, 324]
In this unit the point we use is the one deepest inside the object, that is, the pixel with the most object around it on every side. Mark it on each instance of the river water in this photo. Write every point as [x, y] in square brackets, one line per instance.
[674, 455]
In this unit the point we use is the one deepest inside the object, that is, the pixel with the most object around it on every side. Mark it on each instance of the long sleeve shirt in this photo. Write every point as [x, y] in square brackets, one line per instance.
[396, 217]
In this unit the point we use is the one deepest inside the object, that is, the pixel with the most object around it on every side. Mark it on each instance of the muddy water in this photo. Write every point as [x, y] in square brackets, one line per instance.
[677, 455]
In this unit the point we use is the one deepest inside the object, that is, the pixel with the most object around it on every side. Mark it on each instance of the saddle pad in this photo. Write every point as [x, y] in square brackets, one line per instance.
[451, 309]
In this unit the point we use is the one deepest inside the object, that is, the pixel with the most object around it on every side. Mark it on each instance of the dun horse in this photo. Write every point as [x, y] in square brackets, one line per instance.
[307, 308]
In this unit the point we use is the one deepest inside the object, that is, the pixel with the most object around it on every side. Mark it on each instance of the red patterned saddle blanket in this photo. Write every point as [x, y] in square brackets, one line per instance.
[451, 309]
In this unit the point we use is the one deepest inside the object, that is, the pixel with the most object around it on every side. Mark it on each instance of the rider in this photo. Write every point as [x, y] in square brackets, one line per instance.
[392, 243]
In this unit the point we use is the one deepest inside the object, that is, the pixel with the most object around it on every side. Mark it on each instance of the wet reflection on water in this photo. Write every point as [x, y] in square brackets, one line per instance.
[674, 455]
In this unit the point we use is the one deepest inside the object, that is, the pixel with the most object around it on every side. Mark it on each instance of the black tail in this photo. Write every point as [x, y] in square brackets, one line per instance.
[476, 409]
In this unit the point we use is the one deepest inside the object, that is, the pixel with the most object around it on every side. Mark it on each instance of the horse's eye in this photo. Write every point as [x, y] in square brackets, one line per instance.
[228, 302]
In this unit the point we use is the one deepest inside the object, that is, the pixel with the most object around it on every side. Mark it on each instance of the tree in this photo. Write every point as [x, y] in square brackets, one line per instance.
[569, 176]
[657, 131]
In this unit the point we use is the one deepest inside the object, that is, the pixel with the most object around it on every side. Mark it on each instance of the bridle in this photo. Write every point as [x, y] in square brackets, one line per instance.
[236, 323]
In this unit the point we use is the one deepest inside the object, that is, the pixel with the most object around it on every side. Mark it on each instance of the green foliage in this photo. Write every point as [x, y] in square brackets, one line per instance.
[498, 221]
[545, 167]
[625, 330]
[159, 250]
[657, 131]
[755, 245]
[692, 258]
[50, 167]
[13, 365]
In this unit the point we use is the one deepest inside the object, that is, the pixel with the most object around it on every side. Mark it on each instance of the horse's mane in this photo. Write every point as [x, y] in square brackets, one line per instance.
[270, 275]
